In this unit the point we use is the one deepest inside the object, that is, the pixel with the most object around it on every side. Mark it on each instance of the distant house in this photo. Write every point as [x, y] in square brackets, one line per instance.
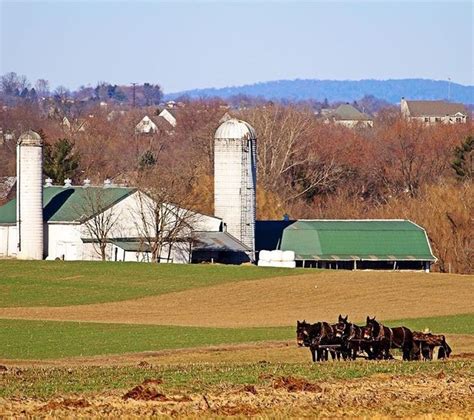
[164, 122]
[169, 115]
[431, 112]
[348, 116]
[146, 125]
[77, 125]
[6, 136]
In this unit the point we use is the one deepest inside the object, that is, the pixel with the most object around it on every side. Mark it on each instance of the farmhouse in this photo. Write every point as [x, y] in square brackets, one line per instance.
[430, 112]
[351, 244]
[348, 116]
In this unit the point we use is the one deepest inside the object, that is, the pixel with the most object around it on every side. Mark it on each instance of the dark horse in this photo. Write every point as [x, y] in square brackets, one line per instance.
[384, 338]
[313, 336]
[351, 337]
[305, 334]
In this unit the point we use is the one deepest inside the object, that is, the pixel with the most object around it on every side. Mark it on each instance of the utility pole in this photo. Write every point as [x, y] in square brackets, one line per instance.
[133, 101]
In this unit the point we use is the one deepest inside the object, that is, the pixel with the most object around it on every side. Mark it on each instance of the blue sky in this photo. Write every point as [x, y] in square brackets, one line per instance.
[183, 44]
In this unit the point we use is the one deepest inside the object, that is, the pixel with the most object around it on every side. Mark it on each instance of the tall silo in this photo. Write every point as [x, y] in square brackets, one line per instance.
[235, 179]
[30, 196]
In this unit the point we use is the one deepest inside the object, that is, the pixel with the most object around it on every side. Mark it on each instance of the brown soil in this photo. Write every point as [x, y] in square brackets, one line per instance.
[441, 395]
[280, 301]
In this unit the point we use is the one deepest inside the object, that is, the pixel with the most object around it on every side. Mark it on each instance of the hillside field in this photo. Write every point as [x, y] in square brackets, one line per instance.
[81, 334]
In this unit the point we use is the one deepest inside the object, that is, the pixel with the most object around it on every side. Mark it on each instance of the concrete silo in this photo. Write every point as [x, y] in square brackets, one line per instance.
[30, 196]
[235, 178]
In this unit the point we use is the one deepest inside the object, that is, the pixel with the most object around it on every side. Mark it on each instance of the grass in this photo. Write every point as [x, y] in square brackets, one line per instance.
[452, 324]
[59, 283]
[22, 339]
[51, 340]
[45, 383]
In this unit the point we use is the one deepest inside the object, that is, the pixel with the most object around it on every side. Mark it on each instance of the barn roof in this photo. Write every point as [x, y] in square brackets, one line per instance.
[368, 240]
[217, 241]
[66, 205]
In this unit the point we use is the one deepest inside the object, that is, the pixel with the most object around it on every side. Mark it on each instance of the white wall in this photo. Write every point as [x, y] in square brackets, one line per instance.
[8, 241]
[64, 242]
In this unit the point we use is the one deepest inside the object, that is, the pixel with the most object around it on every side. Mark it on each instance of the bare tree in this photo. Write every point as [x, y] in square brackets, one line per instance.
[289, 158]
[98, 218]
[163, 217]
[42, 88]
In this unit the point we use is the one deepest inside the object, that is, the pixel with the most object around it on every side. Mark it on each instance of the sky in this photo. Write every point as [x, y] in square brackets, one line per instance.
[195, 44]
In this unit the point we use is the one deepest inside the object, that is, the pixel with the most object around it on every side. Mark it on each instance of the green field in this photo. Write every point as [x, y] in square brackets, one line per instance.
[23, 339]
[59, 283]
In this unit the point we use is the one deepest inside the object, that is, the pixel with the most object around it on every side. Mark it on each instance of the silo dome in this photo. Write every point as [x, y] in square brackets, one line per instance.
[235, 129]
[30, 138]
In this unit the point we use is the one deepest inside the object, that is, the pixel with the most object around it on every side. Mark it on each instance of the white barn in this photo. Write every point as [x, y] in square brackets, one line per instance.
[68, 214]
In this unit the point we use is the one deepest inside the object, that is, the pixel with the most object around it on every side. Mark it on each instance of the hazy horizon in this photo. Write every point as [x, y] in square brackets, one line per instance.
[184, 45]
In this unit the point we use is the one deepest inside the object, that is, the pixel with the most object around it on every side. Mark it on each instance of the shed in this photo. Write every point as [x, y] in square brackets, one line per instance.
[378, 244]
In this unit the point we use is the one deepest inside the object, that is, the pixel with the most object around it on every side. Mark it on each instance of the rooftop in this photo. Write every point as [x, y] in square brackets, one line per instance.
[434, 108]
[235, 129]
[386, 240]
[70, 204]
[348, 112]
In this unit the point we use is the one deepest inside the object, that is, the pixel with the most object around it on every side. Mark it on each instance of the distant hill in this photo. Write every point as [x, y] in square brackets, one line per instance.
[341, 90]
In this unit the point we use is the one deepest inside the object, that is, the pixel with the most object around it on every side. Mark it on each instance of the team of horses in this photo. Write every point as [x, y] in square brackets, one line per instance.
[374, 341]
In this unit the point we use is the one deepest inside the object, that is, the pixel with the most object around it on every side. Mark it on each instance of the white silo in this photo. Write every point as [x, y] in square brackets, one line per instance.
[30, 196]
[235, 178]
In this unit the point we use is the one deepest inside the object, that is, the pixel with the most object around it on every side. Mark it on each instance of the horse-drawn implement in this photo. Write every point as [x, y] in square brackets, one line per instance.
[373, 341]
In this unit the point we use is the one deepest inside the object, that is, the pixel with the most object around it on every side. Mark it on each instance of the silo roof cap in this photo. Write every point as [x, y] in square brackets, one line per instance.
[235, 129]
[30, 138]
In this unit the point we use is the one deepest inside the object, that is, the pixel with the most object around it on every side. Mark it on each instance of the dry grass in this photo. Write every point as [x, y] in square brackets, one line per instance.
[439, 394]
[280, 301]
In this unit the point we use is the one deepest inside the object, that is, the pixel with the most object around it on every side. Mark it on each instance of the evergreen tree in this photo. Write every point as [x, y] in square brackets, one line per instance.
[463, 163]
[147, 160]
[60, 161]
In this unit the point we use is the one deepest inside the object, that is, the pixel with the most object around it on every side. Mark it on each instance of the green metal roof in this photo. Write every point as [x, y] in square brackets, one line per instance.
[357, 240]
[70, 204]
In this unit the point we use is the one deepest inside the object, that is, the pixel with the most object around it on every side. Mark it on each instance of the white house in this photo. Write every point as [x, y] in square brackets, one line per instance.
[431, 112]
[146, 126]
[164, 122]
[168, 116]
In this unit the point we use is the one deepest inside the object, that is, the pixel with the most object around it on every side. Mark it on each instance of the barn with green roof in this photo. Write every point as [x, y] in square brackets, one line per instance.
[352, 244]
